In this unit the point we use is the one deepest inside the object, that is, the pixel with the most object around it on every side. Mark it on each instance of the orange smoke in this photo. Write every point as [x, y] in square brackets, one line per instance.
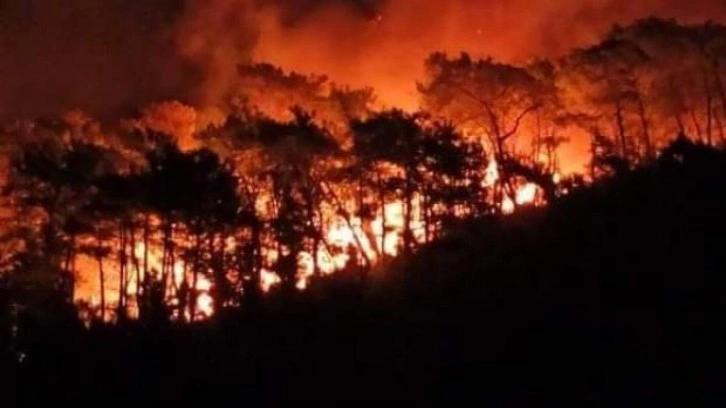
[106, 58]
[388, 50]
[385, 48]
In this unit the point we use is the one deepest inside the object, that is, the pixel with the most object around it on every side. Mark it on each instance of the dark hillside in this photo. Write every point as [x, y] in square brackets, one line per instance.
[614, 295]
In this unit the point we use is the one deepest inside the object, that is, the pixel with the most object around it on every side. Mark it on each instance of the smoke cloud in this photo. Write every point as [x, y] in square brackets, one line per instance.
[113, 56]
[388, 50]
[98, 56]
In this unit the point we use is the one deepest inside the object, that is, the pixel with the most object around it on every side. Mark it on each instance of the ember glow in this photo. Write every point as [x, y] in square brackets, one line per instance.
[100, 281]
[525, 195]
[105, 295]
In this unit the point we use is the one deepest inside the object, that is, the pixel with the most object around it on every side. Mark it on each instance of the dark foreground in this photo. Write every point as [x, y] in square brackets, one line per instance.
[613, 296]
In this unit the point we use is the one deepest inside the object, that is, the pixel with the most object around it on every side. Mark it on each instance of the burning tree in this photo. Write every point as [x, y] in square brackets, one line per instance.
[687, 85]
[615, 71]
[424, 164]
[495, 100]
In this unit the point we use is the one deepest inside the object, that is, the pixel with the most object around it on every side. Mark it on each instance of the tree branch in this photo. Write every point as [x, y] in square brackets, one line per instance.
[518, 121]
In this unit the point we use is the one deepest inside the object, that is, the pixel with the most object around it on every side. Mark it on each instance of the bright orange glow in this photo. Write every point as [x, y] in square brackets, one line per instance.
[205, 302]
[268, 279]
[527, 194]
[352, 242]
[492, 174]
[343, 235]
[88, 284]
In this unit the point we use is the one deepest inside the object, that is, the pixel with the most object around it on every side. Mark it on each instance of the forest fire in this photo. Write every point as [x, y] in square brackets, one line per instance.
[270, 179]
[99, 286]
[263, 200]
[347, 241]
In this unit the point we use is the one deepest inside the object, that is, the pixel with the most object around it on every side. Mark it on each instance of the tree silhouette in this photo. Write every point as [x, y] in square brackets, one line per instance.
[488, 97]
[296, 151]
[611, 67]
[120, 202]
[414, 156]
[274, 93]
[53, 183]
[194, 190]
[688, 81]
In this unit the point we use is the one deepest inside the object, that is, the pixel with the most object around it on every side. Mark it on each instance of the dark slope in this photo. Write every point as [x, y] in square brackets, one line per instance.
[612, 296]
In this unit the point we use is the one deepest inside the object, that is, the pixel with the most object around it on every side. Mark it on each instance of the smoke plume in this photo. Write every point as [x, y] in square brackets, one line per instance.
[113, 56]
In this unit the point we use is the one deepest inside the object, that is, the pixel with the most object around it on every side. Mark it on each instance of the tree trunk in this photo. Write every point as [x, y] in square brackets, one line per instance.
[382, 206]
[696, 124]
[172, 261]
[102, 279]
[538, 138]
[719, 86]
[316, 243]
[346, 216]
[425, 213]
[257, 255]
[504, 179]
[679, 122]
[135, 262]
[195, 276]
[647, 142]
[121, 306]
[167, 260]
[147, 230]
[70, 254]
[316, 232]
[621, 130]
[217, 273]
[221, 274]
[407, 215]
[719, 124]
[594, 154]
[709, 119]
